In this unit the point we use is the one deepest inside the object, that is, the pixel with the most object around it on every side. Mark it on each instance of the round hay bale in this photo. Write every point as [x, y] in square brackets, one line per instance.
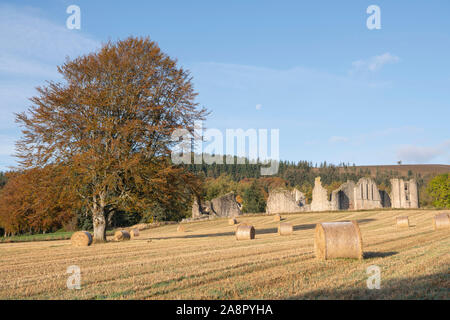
[134, 232]
[122, 235]
[81, 239]
[285, 229]
[245, 232]
[232, 221]
[403, 222]
[241, 224]
[180, 228]
[338, 240]
[441, 221]
[276, 218]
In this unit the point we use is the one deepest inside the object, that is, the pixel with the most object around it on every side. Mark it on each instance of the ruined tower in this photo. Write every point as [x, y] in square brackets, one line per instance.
[320, 200]
[404, 194]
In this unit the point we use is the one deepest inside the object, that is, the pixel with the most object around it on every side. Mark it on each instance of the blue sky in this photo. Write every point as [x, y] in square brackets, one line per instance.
[336, 90]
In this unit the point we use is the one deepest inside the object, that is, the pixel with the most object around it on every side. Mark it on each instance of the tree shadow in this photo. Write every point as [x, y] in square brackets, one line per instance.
[232, 233]
[266, 230]
[362, 221]
[313, 225]
[220, 234]
[372, 254]
[304, 226]
[258, 231]
[434, 286]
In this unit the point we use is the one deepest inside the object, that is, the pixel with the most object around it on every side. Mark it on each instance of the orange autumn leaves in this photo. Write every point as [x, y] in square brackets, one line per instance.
[36, 200]
[109, 124]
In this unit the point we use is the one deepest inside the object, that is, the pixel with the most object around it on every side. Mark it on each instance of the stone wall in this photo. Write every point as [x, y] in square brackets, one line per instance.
[196, 210]
[320, 201]
[343, 198]
[404, 194]
[349, 196]
[366, 195]
[283, 201]
[226, 206]
[385, 199]
[199, 210]
[413, 194]
[300, 198]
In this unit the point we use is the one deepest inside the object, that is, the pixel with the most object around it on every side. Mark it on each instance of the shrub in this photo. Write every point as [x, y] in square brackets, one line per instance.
[439, 190]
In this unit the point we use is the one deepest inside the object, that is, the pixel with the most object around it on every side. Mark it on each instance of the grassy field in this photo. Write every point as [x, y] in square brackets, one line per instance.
[60, 235]
[206, 262]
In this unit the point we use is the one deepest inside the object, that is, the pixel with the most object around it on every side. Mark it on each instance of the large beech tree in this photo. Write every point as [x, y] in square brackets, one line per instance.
[110, 123]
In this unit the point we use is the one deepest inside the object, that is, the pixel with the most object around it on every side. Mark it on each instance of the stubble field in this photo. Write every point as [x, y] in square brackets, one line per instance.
[206, 262]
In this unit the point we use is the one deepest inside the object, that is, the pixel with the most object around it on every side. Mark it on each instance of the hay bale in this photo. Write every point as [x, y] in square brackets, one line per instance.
[403, 222]
[122, 235]
[180, 228]
[241, 224]
[140, 226]
[285, 229]
[232, 221]
[81, 239]
[134, 232]
[441, 221]
[276, 218]
[338, 240]
[245, 232]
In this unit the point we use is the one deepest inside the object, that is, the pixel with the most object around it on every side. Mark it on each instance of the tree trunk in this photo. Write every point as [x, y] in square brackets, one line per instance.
[99, 223]
[99, 220]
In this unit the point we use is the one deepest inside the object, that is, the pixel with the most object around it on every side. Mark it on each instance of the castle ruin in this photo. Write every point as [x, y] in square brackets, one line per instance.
[363, 195]
[404, 194]
[282, 201]
[343, 198]
[223, 206]
[366, 195]
[320, 200]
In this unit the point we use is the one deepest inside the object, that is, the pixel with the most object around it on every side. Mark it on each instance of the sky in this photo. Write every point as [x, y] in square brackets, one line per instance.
[336, 90]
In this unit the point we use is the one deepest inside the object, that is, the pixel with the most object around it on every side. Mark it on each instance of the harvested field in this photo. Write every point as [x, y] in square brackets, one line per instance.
[207, 262]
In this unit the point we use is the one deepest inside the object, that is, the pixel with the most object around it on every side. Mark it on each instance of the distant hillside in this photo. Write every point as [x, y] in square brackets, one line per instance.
[301, 172]
[422, 169]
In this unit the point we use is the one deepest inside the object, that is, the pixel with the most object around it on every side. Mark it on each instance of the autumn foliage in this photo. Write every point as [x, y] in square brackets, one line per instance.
[36, 200]
[109, 123]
